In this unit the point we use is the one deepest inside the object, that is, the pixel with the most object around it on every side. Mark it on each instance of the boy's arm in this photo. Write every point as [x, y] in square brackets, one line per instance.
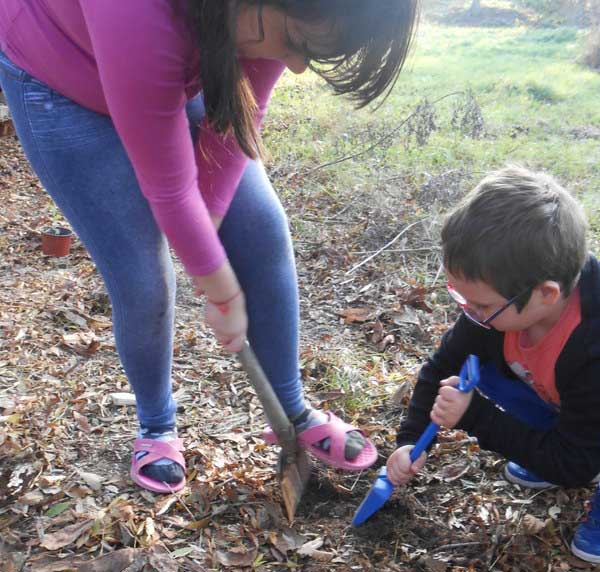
[568, 454]
[462, 339]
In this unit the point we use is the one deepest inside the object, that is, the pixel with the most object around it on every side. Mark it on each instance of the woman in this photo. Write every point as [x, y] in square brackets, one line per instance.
[104, 97]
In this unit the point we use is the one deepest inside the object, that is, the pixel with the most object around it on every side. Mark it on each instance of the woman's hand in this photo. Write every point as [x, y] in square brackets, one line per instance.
[400, 469]
[225, 309]
[450, 404]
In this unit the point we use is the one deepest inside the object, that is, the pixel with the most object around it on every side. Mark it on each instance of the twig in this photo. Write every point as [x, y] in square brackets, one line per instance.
[435, 279]
[179, 499]
[404, 250]
[380, 140]
[456, 545]
[400, 234]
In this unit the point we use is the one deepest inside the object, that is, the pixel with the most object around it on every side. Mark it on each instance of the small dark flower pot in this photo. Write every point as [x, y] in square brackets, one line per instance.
[56, 241]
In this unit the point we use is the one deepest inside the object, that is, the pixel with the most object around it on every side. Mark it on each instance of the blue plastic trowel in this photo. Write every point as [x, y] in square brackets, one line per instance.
[382, 488]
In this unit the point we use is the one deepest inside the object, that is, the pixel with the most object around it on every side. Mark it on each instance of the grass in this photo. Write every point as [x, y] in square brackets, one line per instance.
[532, 94]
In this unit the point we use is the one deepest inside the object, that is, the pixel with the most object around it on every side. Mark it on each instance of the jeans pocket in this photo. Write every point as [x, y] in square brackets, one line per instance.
[59, 123]
[37, 93]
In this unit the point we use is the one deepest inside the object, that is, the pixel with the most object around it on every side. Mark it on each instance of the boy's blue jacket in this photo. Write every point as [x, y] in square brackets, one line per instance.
[569, 453]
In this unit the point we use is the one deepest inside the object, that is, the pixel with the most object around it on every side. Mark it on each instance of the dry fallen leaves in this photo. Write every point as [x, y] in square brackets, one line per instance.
[66, 536]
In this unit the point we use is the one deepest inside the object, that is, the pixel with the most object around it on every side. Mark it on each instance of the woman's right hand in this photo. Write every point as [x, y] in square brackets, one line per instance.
[400, 469]
[225, 308]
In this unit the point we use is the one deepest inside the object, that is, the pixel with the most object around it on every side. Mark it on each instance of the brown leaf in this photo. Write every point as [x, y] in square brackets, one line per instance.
[162, 562]
[82, 422]
[66, 536]
[352, 315]
[74, 318]
[84, 343]
[232, 558]
[454, 471]
[415, 297]
[533, 525]
[389, 339]
[92, 480]
[286, 539]
[130, 559]
[308, 548]
[378, 333]
[99, 323]
[405, 315]
[11, 561]
[64, 565]
[399, 395]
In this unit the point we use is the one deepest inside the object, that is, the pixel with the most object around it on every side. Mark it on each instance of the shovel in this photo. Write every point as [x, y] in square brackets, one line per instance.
[382, 488]
[293, 466]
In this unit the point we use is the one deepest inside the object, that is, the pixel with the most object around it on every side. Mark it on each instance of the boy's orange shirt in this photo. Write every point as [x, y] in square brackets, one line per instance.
[535, 364]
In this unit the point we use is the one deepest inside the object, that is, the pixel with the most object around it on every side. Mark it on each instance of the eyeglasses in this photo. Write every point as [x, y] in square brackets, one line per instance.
[472, 314]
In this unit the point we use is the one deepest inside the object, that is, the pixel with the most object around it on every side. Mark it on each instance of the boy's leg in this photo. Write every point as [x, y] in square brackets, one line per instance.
[525, 404]
[80, 160]
[516, 397]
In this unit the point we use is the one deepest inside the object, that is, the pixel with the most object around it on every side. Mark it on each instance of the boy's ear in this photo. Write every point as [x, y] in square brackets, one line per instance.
[550, 292]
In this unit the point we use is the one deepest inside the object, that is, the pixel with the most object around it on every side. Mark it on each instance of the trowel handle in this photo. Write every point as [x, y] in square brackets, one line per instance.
[424, 440]
[276, 416]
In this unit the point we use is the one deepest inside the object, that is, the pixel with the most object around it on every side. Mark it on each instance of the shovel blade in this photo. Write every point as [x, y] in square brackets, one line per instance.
[380, 492]
[293, 478]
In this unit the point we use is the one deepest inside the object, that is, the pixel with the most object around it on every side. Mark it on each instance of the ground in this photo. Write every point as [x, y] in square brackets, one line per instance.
[66, 502]
[364, 194]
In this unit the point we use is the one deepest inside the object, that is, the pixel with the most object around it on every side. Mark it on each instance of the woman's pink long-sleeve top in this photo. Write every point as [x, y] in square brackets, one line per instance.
[135, 61]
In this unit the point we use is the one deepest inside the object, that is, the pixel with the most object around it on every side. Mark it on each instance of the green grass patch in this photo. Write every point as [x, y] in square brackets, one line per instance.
[533, 96]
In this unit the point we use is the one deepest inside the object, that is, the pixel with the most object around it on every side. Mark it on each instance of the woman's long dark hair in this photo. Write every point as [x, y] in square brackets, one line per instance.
[365, 51]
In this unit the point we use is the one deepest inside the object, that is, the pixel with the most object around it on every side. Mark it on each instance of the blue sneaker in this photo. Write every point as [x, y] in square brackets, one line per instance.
[516, 474]
[586, 542]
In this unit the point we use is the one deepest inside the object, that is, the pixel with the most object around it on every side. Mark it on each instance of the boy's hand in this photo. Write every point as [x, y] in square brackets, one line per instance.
[400, 469]
[450, 404]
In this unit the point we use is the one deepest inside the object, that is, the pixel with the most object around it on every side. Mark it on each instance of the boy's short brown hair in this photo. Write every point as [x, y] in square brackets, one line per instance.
[515, 230]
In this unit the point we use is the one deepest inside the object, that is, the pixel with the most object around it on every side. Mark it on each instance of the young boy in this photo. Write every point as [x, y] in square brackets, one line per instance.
[516, 258]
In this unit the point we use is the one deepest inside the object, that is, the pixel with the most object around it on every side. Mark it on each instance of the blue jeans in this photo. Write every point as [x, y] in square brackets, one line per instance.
[517, 398]
[82, 164]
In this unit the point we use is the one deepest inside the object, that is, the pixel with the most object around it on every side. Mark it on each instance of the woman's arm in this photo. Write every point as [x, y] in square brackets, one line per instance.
[141, 54]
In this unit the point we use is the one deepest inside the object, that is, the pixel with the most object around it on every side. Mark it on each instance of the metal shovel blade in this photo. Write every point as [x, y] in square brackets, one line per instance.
[294, 466]
[380, 492]
[293, 478]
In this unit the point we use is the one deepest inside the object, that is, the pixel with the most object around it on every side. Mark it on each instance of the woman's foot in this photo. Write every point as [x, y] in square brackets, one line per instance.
[163, 470]
[331, 440]
[355, 441]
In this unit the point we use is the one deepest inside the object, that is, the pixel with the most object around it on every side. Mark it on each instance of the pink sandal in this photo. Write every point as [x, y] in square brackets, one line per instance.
[156, 450]
[336, 430]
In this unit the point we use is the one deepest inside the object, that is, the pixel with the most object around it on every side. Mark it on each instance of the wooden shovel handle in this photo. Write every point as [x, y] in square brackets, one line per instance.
[276, 416]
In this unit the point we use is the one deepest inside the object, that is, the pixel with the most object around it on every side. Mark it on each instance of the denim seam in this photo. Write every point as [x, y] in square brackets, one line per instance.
[51, 178]
[11, 69]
